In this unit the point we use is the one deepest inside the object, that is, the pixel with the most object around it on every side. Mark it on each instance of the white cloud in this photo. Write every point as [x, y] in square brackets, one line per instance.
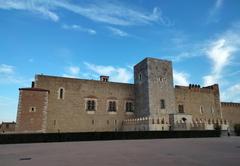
[117, 74]
[72, 72]
[36, 6]
[105, 12]
[231, 94]
[6, 69]
[180, 78]
[118, 32]
[8, 76]
[115, 14]
[79, 28]
[221, 51]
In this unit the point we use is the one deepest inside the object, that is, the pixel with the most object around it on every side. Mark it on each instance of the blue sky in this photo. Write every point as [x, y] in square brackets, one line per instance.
[85, 39]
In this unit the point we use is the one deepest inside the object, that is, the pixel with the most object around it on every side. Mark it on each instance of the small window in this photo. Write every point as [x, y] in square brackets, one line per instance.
[61, 93]
[162, 104]
[180, 108]
[201, 109]
[112, 106]
[93, 122]
[54, 123]
[91, 105]
[115, 122]
[7, 126]
[140, 76]
[32, 109]
[129, 106]
[107, 122]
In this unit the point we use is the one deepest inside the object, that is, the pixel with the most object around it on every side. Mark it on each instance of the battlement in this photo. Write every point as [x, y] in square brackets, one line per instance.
[198, 88]
[230, 104]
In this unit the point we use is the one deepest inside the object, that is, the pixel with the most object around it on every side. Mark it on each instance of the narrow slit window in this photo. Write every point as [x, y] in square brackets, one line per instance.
[61, 93]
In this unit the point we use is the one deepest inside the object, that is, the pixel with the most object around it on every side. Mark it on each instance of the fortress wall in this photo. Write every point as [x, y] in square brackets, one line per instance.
[69, 114]
[231, 112]
[32, 110]
[194, 98]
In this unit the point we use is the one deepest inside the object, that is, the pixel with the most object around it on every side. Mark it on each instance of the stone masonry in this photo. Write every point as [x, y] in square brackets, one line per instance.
[59, 104]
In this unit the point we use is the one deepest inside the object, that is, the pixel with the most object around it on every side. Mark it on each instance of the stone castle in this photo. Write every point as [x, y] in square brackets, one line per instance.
[58, 104]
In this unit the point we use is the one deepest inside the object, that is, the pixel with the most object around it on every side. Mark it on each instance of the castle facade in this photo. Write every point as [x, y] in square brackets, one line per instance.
[58, 104]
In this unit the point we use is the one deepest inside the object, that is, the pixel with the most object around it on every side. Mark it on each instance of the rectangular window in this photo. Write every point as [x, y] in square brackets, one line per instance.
[91, 105]
[162, 104]
[129, 106]
[112, 106]
[180, 108]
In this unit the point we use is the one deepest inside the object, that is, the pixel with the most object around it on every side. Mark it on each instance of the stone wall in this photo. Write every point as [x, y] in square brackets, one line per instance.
[202, 103]
[231, 112]
[69, 114]
[7, 127]
[153, 80]
[32, 110]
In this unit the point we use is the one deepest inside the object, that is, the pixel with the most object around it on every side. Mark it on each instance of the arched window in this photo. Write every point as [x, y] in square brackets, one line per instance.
[61, 93]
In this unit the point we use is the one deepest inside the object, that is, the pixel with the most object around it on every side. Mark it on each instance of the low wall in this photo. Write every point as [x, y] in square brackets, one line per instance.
[92, 136]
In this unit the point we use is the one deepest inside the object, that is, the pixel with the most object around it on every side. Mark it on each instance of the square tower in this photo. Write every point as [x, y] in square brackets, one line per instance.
[153, 79]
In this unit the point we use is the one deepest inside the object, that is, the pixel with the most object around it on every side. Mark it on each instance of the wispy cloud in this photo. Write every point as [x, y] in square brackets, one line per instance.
[40, 7]
[221, 51]
[117, 74]
[232, 93]
[79, 28]
[105, 12]
[118, 32]
[6, 69]
[180, 78]
[214, 11]
[9, 76]
[72, 71]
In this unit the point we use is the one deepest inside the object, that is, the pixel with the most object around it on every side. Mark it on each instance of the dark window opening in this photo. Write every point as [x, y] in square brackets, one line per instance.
[7, 126]
[162, 104]
[112, 106]
[140, 77]
[129, 107]
[61, 93]
[91, 105]
[184, 119]
[180, 108]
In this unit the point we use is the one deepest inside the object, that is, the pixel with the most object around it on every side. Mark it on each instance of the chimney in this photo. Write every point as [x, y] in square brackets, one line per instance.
[33, 84]
[104, 78]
